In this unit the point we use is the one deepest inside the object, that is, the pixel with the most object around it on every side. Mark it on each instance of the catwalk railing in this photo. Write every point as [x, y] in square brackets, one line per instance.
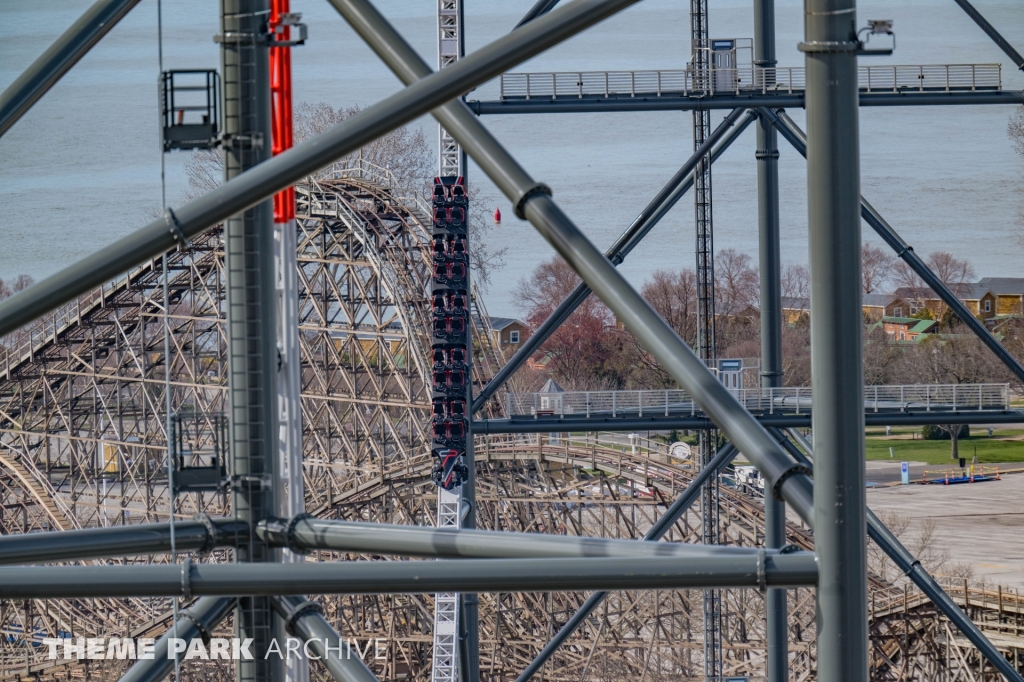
[785, 400]
[361, 169]
[21, 346]
[685, 82]
[990, 598]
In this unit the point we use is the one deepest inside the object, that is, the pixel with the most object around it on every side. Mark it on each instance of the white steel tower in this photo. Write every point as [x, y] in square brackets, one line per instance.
[449, 502]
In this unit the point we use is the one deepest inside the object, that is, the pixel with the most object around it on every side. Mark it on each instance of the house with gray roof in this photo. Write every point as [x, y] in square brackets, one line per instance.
[1009, 293]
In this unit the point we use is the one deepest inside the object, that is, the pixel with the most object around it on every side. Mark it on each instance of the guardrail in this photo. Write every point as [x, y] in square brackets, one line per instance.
[362, 169]
[21, 345]
[786, 400]
[686, 82]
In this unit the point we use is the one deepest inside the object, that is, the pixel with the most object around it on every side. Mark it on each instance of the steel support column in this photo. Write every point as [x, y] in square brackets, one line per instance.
[121, 541]
[303, 619]
[796, 569]
[306, 533]
[205, 615]
[767, 155]
[837, 377]
[251, 311]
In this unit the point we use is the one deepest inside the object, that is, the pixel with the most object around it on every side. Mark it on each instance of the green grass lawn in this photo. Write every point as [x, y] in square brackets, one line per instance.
[997, 449]
[990, 450]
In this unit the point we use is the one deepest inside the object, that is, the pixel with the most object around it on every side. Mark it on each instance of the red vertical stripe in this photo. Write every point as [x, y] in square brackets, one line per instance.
[281, 106]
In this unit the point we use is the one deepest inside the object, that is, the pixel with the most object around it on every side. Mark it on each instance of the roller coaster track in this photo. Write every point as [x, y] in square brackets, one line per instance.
[82, 445]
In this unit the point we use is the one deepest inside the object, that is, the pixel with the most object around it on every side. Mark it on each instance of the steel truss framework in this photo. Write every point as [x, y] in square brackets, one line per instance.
[600, 492]
[96, 360]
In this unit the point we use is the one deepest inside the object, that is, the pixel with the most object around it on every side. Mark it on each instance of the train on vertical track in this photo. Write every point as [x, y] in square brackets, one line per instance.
[449, 333]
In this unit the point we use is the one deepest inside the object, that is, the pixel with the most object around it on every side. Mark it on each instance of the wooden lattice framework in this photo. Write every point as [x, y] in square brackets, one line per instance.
[82, 444]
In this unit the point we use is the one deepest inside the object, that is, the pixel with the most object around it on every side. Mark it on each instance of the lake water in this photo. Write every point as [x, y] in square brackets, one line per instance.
[82, 168]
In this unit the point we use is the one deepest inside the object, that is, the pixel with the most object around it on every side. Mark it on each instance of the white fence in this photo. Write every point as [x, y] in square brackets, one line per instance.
[787, 400]
[896, 78]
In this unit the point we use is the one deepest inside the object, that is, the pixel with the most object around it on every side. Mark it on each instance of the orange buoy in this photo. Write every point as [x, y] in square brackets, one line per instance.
[497, 216]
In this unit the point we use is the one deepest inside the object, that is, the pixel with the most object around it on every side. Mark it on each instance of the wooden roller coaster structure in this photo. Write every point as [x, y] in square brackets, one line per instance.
[82, 444]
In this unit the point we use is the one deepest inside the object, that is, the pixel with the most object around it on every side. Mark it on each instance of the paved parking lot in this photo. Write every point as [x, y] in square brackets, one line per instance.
[978, 523]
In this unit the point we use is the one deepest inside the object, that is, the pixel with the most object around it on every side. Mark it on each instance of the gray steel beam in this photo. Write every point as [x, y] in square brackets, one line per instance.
[58, 59]
[273, 175]
[837, 376]
[198, 621]
[586, 104]
[532, 200]
[992, 33]
[656, 532]
[121, 541]
[906, 253]
[540, 7]
[305, 620]
[658, 208]
[912, 568]
[797, 569]
[251, 306]
[306, 533]
[770, 261]
[583, 424]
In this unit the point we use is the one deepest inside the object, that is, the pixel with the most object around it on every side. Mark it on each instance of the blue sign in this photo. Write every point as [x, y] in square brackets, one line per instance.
[905, 473]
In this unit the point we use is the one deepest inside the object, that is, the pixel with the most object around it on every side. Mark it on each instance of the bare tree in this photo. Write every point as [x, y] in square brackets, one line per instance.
[403, 151]
[881, 358]
[905, 277]
[20, 282]
[796, 353]
[920, 538]
[17, 337]
[204, 169]
[947, 267]
[951, 270]
[736, 282]
[796, 281]
[674, 296]
[876, 266]
[1015, 129]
